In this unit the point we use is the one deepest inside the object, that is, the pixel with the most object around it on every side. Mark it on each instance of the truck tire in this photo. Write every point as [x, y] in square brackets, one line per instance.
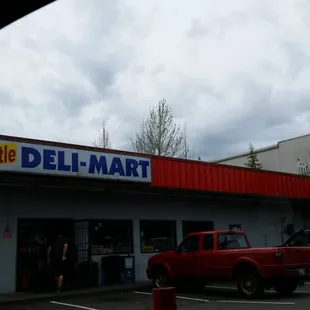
[249, 283]
[160, 278]
[285, 289]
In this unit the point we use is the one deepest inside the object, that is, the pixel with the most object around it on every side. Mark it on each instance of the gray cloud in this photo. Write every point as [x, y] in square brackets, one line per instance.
[235, 73]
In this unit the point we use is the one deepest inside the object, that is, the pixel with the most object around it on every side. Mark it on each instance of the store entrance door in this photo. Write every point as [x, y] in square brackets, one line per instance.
[33, 238]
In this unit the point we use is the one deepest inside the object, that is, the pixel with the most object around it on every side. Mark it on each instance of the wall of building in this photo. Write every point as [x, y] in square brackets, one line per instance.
[292, 150]
[287, 157]
[269, 159]
[8, 247]
[260, 221]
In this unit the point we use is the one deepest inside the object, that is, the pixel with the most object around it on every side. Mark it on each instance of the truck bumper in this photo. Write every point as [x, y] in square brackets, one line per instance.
[292, 272]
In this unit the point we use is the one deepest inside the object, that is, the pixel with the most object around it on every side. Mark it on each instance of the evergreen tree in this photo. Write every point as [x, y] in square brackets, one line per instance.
[253, 162]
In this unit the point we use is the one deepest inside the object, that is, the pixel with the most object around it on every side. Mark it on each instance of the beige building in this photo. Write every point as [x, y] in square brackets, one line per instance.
[291, 156]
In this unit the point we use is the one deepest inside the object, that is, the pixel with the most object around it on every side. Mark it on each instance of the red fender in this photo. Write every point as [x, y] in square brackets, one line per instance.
[166, 267]
[251, 261]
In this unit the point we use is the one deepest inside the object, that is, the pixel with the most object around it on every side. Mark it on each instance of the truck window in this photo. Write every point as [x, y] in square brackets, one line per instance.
[190, 244]
[229, 241]
[208, 243]
[299, 239]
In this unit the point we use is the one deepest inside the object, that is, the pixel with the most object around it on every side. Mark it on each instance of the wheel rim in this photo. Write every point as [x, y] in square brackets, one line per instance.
[160, 281]
[248, 285]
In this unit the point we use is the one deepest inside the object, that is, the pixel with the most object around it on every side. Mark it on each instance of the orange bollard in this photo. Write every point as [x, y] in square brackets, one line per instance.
[164, 298]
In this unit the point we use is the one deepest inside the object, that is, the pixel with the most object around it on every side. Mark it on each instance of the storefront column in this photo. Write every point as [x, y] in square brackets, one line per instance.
[8, 252]
[139, 270]
[179, 231]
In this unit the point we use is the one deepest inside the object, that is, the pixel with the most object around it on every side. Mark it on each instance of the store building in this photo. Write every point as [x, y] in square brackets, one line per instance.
[289, 156]
[117, 204]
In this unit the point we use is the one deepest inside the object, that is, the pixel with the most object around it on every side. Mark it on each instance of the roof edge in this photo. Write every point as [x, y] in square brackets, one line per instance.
[260, 150]
[149, 156]
[257, 151]
[69, 145]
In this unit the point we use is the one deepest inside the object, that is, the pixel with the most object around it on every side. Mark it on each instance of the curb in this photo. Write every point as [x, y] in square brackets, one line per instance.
[74, 294]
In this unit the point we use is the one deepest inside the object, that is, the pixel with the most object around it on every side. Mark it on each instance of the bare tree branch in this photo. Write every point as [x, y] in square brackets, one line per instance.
[159, 135]
[103, 139]
[185, 154]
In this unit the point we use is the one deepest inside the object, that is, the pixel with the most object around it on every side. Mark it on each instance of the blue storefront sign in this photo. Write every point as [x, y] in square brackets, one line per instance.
[42, 159]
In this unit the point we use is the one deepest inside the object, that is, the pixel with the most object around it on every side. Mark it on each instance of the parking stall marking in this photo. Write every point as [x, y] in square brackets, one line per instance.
[234, 289]
[178, 297]
[258, 302]
[253, 302]
[221, 287]
[71, 305]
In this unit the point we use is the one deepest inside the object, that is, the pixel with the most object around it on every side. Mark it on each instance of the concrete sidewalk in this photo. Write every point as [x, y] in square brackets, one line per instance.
[33, 297]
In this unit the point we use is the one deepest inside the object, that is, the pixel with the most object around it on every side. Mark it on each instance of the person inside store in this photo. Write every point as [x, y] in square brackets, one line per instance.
[72, 264]
[57, 259]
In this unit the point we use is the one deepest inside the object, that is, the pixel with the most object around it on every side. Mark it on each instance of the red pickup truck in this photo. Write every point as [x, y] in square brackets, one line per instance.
[227, 255]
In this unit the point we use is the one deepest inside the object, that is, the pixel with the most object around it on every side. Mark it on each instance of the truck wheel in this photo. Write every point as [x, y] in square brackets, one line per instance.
[250, 284]
[285, 289]
[161, 279]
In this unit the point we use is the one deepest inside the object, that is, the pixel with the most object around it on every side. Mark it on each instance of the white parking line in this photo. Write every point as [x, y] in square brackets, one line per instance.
[221, 287]
[234, 288]
[71, 305]
[227, 301]
[178, 297]
[257, 302]
[302, 292]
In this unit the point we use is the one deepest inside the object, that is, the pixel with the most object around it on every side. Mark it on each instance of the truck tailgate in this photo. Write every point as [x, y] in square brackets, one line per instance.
[297, 255]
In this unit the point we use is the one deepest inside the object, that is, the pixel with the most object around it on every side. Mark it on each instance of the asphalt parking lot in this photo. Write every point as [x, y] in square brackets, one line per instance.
[215, 297]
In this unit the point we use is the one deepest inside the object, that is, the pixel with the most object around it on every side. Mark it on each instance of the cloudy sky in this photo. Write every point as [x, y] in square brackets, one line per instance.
[235, 71]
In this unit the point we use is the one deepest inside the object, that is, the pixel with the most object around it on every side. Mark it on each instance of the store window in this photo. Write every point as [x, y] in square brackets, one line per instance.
[190, 244]
[196, 226]
[157, 236]
[111, 237]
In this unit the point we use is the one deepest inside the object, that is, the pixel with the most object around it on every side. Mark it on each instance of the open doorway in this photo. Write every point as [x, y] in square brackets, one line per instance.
[33, 238]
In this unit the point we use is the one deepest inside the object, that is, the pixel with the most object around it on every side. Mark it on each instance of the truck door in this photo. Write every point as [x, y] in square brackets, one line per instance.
[187, 258]
[207, 256]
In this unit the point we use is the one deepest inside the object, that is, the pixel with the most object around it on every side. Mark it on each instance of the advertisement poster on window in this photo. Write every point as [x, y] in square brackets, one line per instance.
[236, 227]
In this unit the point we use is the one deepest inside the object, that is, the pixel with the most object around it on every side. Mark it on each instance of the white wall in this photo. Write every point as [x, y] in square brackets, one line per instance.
[259, 221]
[284, 158]
[269, 159]
[291, 150]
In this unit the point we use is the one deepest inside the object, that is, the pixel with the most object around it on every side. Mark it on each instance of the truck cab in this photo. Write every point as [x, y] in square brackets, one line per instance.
[228, 255]
[200, 254]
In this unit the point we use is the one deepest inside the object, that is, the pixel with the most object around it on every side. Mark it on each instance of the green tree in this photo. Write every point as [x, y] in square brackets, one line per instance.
[160, 135]
[253, 162]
